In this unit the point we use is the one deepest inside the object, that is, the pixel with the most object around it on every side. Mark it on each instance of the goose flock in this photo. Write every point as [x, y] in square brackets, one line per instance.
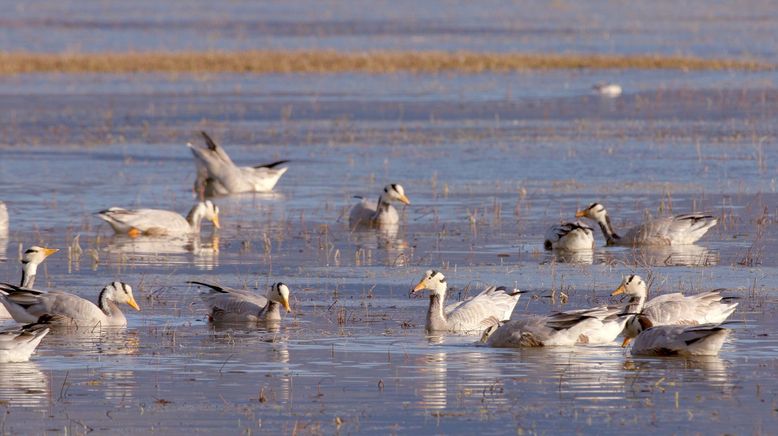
[671, 324]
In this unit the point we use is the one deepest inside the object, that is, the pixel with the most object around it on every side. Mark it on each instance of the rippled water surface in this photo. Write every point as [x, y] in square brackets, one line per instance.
[489, 161]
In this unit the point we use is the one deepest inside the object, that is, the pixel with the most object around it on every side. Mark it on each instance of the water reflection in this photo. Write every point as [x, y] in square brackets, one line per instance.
[154, 250]
[710, 371]
[384, 238]
[678, 255]
[433, 386]
[566, 256]
[23, 384]
[106, 341]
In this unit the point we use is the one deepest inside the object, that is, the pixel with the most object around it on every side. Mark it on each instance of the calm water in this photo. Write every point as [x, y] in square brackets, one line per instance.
[488, 161]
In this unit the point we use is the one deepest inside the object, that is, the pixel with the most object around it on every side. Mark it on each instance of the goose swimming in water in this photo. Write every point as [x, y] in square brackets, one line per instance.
[675, 340]
[598, 325]
[158, 222]
[227, 305]
[381, 213]
[218, 175]
[470, 316]
[62, 308]
[671, 309]
[675, 230]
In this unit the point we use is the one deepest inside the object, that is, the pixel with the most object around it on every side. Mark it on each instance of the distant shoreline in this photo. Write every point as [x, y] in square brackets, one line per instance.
[371, 62]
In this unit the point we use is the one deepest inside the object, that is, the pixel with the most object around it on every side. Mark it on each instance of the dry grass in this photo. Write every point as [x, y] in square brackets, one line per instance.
[377, 62]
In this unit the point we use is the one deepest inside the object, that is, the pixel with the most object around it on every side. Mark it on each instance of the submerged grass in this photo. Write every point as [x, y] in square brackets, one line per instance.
[374, 62]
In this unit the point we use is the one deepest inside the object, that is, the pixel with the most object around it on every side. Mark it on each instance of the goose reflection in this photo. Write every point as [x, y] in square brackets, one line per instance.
[384, 238]
[103, 341]
[688, 374]
[675, 255]
[459, 376]
[583, 257]
[153, 250]
[23, 384]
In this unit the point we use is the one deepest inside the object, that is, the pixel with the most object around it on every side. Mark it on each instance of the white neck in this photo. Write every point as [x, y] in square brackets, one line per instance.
[29, 270]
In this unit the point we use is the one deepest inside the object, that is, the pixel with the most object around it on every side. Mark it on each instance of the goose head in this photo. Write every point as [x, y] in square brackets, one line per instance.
[633, 286]
[33, 257]
[119, 292]
[434, 281]
[279, 293]
[634, 327]
[595, 211]
[204, 209]
[395, 192]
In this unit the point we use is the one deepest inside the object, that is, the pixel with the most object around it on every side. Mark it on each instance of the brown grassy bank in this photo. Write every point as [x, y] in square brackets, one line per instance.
[377, 62]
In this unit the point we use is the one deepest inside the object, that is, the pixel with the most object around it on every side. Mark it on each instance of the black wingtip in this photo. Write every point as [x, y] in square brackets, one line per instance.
[208, 285]
[209, 142]
[272, 165]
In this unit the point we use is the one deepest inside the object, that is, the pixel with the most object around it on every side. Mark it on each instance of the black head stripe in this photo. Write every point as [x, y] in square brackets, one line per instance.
[394, 186]
[25, 261]
[30, 250]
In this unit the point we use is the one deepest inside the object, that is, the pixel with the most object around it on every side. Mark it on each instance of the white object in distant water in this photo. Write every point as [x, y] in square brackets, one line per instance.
[218, 175]
[227, 305]
[157, 222]
[611, 90]
[470, 316]
[16, 345]
[381, 213]
[675, 230]
[65, 309]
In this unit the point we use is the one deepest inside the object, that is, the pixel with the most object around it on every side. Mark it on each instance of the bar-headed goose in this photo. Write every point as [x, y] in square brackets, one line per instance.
[569, 237]
[678, 340]
[158, 222]
[674, 230]
[33, 257]
[379, 213]
[65, 309]
[470, 316]
[17, 345]
[671, 309]
[218, 175]
[598, 325]
[227, 305]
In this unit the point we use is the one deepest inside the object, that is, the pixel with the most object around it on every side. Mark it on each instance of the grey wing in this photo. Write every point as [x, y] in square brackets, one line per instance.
[526, 332]
[362, 213]
[231, 300]
[493, 302]
[677, 309]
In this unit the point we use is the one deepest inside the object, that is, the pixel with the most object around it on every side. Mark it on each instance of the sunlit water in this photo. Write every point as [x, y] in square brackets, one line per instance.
[488, 161]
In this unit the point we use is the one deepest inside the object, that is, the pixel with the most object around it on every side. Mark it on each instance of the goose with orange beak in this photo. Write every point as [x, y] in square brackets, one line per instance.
[379, 213]
[670, 309]
[470, 316]
[33, 257]
[62, 308]
[235, 306]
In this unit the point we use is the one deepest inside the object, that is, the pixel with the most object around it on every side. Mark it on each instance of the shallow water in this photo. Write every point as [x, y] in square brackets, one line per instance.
[486, 176]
